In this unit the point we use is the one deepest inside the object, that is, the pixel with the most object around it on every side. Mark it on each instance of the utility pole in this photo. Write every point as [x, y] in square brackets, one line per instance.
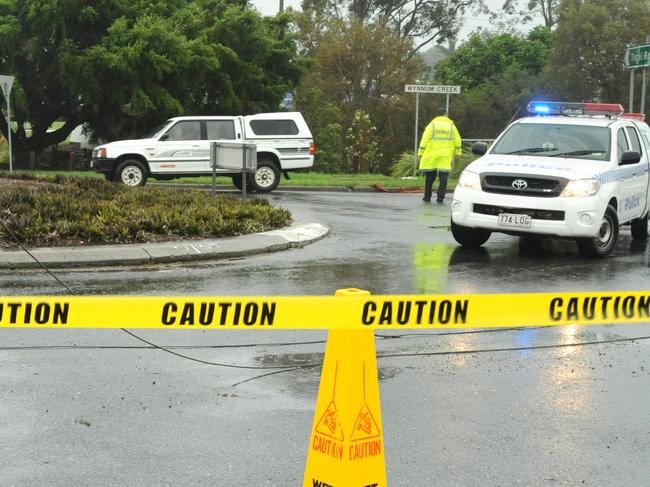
[281, 6]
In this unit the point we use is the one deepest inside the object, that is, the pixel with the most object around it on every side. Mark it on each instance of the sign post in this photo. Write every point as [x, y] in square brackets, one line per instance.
[6, 83]
[417, 89]
[637, 57]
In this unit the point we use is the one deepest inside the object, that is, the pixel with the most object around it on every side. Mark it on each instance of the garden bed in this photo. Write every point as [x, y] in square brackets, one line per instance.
[67, 211]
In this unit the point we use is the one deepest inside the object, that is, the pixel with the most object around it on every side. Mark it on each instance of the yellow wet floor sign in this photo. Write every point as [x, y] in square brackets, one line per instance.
[346, 448]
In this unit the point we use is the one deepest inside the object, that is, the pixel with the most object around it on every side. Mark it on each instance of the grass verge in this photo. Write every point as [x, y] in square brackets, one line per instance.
[68, 210]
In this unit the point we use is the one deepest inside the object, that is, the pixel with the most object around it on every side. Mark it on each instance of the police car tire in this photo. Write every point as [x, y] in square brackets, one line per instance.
[639, 228]
[266, 177]
[602, 244]
[133, 168]
[469, 237]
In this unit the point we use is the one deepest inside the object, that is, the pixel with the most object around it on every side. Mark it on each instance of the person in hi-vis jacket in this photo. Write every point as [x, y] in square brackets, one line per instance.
[439, 147]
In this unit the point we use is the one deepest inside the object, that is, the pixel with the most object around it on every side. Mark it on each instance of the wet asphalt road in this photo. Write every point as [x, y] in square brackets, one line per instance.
[97, 407]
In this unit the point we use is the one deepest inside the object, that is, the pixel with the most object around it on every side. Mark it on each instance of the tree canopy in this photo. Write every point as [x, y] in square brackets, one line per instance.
[121, 66]
[499, 73]
[355, 66]
[587, 62]
[420, 21]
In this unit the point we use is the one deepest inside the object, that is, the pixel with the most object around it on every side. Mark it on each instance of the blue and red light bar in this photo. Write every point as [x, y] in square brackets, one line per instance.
[570, 108]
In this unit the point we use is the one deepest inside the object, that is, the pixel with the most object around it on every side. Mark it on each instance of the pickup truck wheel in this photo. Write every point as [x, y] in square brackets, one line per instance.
[469, 237]
[266, 177]
[605, 240]
[236, 181]
[131, 173]
[640, 228]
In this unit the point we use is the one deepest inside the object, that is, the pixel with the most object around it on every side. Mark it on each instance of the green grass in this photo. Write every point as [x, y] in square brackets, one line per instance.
[321, 179]
[88, 210]
[309, 179]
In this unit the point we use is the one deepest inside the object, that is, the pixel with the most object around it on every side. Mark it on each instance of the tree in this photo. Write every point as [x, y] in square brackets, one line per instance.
[356, 66]
[122, 66]
[484, 56]
[362, 153]
[499, 74]
[548, 9]
[587, 62]
[420, 21]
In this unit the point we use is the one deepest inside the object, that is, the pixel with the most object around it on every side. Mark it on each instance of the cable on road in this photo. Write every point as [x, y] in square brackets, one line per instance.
[466, 352]
[253, 345]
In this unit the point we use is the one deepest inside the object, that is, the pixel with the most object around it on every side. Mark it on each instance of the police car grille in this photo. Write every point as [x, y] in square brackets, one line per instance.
[535, 186]
[534, 214]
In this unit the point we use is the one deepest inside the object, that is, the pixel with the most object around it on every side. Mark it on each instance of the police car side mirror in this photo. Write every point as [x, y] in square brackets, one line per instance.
[630, 157]
[479, 148]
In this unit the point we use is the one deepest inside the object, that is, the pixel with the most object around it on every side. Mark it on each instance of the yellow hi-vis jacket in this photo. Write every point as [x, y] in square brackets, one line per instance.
[440, 142]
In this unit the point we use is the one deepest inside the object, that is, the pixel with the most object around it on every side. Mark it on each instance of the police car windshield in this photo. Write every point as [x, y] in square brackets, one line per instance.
[556, 140]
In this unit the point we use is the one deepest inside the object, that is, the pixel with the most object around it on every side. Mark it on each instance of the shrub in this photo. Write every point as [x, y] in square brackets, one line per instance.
[83, 210]
[403, 165]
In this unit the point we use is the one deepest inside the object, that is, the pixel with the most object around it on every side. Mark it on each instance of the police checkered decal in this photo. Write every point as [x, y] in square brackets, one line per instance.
[619, 174]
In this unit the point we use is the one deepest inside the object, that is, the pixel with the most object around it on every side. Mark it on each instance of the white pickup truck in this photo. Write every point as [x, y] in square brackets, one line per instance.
[572, 170]
[181, 148]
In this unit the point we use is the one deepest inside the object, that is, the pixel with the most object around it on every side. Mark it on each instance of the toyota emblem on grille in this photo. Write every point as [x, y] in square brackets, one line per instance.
[519, 184]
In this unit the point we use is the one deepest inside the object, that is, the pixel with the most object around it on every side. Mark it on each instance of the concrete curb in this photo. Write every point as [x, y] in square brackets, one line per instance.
[294, 236]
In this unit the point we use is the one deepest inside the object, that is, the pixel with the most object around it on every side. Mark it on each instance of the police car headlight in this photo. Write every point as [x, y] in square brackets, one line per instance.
[581, 187]
[469, 180]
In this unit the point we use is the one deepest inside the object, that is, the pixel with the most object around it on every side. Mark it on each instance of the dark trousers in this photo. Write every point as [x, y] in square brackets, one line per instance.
[428, 184]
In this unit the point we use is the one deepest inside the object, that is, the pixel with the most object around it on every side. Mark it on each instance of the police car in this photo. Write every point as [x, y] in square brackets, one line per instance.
[569, 170]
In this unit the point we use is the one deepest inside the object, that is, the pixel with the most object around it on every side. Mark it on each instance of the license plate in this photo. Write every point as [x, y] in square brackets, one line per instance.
[514, 220]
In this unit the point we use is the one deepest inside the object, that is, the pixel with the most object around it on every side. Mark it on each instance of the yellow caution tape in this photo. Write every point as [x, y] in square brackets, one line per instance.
[325, 312]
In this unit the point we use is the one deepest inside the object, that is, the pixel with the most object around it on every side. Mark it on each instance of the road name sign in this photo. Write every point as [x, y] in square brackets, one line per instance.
[441, 89]
[637, 57]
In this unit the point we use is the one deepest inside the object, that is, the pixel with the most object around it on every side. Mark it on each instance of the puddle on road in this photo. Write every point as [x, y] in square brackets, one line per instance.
[305, 381]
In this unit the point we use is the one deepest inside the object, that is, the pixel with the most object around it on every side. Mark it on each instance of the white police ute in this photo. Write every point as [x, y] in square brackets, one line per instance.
[570, 170]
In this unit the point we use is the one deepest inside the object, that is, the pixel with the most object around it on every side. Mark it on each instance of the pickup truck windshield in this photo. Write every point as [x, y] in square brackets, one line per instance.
[152, 134]
[556, 140]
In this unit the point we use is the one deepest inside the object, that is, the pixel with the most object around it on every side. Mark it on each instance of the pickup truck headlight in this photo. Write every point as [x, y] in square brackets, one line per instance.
[469, 180]
[581, 187]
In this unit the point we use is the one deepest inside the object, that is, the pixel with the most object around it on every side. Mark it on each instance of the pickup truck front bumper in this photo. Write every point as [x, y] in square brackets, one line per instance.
[103, 164]
[554, 216]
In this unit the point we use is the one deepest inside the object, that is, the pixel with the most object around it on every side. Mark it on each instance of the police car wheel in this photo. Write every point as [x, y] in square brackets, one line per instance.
[640, 228]
[469, 237]
[605, 240]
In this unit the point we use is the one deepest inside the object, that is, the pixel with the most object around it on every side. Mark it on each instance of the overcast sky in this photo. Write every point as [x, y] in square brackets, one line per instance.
[471, 22]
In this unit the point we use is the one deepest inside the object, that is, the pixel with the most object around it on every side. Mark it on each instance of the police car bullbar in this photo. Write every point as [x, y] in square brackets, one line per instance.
[569, 170]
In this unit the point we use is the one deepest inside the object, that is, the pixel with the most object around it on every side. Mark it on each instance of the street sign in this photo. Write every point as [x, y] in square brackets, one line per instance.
[441, 89]
[637, 57]
[6, 82]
